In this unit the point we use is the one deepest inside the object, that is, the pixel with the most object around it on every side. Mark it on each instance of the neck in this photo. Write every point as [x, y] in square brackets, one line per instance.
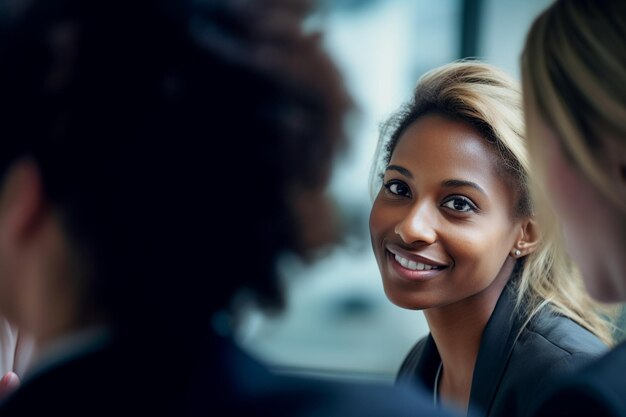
[457, 330]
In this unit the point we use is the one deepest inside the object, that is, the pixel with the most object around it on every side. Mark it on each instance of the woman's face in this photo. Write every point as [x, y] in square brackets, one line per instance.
[594, 229]
[442, 225]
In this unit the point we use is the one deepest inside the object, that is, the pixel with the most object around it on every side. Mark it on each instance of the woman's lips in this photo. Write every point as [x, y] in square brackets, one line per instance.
[402, 254]
[413, 265]
[415, 268]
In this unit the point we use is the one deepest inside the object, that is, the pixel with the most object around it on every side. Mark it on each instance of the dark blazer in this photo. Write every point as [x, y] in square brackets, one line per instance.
[212, 378]
[597, 390]
[515, 363]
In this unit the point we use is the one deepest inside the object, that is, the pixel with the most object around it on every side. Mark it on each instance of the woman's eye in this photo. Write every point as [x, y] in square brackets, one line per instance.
[461, 204]
[397, 188]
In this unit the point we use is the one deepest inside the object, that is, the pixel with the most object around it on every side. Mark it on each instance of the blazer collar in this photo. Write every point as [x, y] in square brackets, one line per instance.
[496, 346]
[428, 363]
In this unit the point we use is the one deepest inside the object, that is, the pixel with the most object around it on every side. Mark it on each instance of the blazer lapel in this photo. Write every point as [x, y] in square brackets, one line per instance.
[428, 363]
[496, 346]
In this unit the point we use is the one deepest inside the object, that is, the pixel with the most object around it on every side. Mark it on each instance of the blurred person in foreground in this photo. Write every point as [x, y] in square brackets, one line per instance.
[158, 157]
[574, 85]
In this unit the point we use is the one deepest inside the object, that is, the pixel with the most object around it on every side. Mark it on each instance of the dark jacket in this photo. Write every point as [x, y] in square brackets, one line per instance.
[597, 390]
[211, 378]
[513, 367]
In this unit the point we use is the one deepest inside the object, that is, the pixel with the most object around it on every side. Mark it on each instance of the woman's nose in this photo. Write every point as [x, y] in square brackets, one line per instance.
[418, 225]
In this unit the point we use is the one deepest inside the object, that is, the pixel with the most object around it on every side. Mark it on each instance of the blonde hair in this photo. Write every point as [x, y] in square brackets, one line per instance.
[490, 100]
[574, 76]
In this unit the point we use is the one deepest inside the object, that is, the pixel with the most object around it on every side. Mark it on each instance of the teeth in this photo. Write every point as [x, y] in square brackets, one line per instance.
[412, 265]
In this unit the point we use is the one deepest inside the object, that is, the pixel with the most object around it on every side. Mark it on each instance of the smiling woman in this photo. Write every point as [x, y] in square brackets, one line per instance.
[457, 207]
[454, 235]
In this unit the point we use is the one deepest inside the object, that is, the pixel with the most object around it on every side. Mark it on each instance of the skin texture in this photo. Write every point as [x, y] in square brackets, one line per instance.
[594, 229]
[444, 203]
[471, 246]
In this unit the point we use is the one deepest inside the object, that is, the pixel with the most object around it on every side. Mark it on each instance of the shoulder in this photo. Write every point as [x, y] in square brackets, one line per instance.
[556, 337]
[263, 391]
[556, 345]
[597, 389]
[610, 368]
[231, 383]
[81, 390]
[550, 348]
[336, 398]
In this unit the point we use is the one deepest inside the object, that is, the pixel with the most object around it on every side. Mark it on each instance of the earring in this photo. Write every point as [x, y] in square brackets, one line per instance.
[517, 252]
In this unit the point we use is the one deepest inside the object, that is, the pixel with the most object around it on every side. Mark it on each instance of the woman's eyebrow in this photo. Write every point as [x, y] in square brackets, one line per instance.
[462, 183]
[401, 170]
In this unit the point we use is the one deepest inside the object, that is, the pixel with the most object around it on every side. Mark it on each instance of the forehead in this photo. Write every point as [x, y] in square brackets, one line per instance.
[440, 148]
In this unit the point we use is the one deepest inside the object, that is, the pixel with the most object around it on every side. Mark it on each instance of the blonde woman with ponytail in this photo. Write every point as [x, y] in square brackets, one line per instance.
[574, 87]
[455, 234]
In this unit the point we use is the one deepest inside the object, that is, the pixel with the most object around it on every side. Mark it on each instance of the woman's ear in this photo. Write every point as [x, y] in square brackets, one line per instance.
[22, 215]
[529, 238]
[22, 202]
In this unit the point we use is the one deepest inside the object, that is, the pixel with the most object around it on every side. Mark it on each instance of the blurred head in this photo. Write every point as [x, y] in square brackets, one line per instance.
[173, 143]
[453, 216]
[574, 78]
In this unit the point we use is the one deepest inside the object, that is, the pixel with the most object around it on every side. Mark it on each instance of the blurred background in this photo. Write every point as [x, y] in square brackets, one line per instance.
[338, 322]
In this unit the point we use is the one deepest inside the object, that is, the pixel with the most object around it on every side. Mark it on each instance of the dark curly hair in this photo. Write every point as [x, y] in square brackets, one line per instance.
[167, 134]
